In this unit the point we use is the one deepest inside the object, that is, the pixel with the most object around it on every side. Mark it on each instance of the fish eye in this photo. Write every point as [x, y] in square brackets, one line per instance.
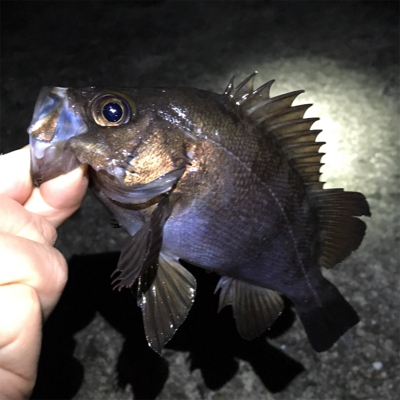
[112, 109]
[112, 112]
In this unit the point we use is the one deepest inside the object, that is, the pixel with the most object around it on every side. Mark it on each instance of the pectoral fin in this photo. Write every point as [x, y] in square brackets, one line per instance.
[255, 308]
[166, 293]
[142, 250]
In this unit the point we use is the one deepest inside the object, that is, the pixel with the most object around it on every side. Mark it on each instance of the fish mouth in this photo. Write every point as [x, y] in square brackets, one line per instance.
[55, 120]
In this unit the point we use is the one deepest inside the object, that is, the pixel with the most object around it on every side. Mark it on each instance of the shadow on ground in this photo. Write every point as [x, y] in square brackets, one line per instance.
[211, 339]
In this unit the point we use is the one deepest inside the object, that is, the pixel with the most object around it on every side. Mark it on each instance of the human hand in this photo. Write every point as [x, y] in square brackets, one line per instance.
[32, 272]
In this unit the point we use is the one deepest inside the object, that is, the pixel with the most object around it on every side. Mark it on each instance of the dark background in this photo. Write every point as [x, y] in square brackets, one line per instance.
[346, 56]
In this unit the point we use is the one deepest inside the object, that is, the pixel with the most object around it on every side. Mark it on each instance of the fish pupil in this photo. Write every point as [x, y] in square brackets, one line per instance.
[112, 112]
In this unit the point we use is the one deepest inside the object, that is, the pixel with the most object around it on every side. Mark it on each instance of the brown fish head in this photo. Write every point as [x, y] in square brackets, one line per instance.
[118, 132]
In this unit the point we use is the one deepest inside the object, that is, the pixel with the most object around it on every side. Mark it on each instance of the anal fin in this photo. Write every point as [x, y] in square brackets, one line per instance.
[166, 292]
[255, 308]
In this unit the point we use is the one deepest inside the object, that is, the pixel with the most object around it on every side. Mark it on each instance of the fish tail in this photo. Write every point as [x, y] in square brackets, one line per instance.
[327, 321]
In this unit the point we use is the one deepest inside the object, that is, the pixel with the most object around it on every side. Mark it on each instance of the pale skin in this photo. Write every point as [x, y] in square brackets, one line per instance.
[32, 272]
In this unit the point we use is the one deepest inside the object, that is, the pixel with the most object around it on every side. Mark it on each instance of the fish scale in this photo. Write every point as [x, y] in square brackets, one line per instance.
[229, 183]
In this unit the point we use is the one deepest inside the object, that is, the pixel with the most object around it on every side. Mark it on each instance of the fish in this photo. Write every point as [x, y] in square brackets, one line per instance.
[226, 182]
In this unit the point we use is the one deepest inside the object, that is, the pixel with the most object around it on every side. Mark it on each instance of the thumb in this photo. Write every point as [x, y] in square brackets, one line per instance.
[58, 198]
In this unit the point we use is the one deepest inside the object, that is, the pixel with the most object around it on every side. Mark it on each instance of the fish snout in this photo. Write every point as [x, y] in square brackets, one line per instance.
[55, 120]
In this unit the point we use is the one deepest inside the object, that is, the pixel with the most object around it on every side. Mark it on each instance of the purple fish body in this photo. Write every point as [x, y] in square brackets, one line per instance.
[226, 182]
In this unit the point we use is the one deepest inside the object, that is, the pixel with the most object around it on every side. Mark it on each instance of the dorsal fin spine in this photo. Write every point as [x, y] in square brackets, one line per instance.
[245, 87]
[279, 116]
[230, 87]
[262, 88]
[300, 136]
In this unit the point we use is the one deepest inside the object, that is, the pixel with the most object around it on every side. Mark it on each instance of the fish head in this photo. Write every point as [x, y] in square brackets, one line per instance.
[135, 153]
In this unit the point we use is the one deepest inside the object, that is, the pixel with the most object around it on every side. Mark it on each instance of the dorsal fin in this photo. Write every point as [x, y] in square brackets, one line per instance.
[340, 231]
[285, 122]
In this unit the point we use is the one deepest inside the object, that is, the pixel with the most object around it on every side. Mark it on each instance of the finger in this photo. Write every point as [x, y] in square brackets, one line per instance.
[59, 198]
[16, 220]
[38, 265]
[21, 322]
[15, 179]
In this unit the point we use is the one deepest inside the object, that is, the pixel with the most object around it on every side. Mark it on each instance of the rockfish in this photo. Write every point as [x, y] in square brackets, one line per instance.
[227, 182]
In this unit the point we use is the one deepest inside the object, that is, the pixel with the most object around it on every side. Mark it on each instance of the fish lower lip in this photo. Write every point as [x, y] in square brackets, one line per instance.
[49, 161]
[38, 166]
[36, 174]
[43, 171]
